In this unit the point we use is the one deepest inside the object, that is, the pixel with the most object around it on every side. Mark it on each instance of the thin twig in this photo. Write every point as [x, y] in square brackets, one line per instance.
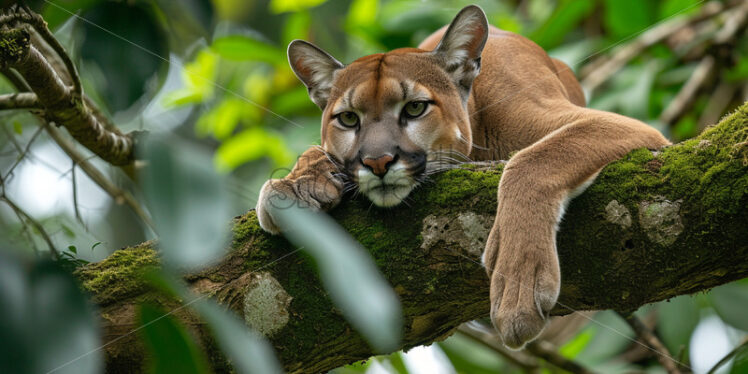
[20, 212]
[646, 336]
[602, 71]
[22, 100]
[119, 195]
[16, 79]
[678, 106]
[728, 356]
[75, 196]
[23, 154]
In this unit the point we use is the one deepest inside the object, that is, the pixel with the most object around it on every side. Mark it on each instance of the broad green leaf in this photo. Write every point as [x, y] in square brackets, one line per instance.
[281, 6]
[296, 27]
[348, 273]
[17, 127]
[220, 121]
[242, 48]
[575, 346]
[671, 7]
[171, 348]
[46, 324]
[623, 18]
[292, 102]
[566, 16]
[676, 320]
[250, 145]
[258, 87]
[730, 301]
[469, 356]
[199, 79]
[740, 361]
[247, 351]
[362, 13]
[188, 200]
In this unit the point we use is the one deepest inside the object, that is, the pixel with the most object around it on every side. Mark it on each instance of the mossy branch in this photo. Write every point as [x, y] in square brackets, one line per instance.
[58, 102]
[653, 226]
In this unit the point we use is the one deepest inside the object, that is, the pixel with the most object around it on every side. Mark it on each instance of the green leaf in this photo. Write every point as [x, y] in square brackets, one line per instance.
[46, 324]
[740, 361]
[221, 120]
[623, 18]
[95, 245]
[347, 271]
[730, 302]
[242, 48]
[672, 7]
[72, 248]
[17, 127]
[198, 77]
[281, 6]
[296, 27]
[676, 320]
[566, 16]
[362, 13]
[171, 348]
[292, 102]
[250, 145]
[248, 352]
[188, 200]
[576, 345]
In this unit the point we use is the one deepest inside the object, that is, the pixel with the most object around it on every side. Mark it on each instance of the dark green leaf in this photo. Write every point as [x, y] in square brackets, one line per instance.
[346, 269]
[188, 199]
[171, 348]
[730, 302]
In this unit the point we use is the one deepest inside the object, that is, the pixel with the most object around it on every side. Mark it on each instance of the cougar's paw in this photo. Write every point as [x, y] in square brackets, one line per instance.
[523, 292]
[320, 191]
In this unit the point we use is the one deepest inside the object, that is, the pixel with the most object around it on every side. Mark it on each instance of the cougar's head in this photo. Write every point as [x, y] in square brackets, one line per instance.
[391, 117]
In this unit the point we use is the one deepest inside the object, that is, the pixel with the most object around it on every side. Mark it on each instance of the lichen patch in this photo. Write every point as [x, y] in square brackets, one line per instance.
[266, 304]
[618, 214]
[468, 231]
[660, 219]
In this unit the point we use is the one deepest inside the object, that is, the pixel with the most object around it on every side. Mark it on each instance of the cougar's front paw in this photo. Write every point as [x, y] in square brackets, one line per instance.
[321, 191]
[525, 284]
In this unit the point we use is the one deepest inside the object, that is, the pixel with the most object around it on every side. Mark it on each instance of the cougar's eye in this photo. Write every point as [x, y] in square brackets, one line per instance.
[415, 109]
[348, 119]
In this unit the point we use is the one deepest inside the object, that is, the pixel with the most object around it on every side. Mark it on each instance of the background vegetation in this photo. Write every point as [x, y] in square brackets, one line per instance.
[212, 78]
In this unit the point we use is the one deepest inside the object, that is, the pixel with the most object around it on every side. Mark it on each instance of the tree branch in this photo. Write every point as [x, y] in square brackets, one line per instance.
[654, 225]
[23, 100]
[63, 105]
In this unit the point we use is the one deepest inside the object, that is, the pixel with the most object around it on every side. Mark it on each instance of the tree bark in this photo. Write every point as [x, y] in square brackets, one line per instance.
[654, 225]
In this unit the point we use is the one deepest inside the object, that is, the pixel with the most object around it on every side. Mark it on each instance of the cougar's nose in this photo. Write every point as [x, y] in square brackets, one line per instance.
[379, 166]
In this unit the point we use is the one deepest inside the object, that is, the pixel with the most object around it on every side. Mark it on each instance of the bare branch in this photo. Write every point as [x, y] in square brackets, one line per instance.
[62, 105]
[23, 100]
[646, 336]
[602, 69]
[549, 352]
[119, 195]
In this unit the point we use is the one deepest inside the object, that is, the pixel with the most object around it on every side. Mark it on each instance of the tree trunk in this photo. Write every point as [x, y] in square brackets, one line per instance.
[653, 226]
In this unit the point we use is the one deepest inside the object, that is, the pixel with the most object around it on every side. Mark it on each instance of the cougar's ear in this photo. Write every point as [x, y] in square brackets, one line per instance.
[461, 47]
[315, 68]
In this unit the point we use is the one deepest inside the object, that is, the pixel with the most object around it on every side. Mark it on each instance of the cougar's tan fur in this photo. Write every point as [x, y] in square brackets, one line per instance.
[522, 101]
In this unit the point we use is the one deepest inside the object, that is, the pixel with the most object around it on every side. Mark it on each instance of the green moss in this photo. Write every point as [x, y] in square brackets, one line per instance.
[13, 44]
[119, 276]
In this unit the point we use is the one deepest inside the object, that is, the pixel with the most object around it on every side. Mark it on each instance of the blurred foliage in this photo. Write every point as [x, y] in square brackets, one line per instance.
[213, 75]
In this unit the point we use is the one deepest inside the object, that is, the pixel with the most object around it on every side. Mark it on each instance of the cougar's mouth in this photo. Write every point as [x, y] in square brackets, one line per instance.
[388, 191]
